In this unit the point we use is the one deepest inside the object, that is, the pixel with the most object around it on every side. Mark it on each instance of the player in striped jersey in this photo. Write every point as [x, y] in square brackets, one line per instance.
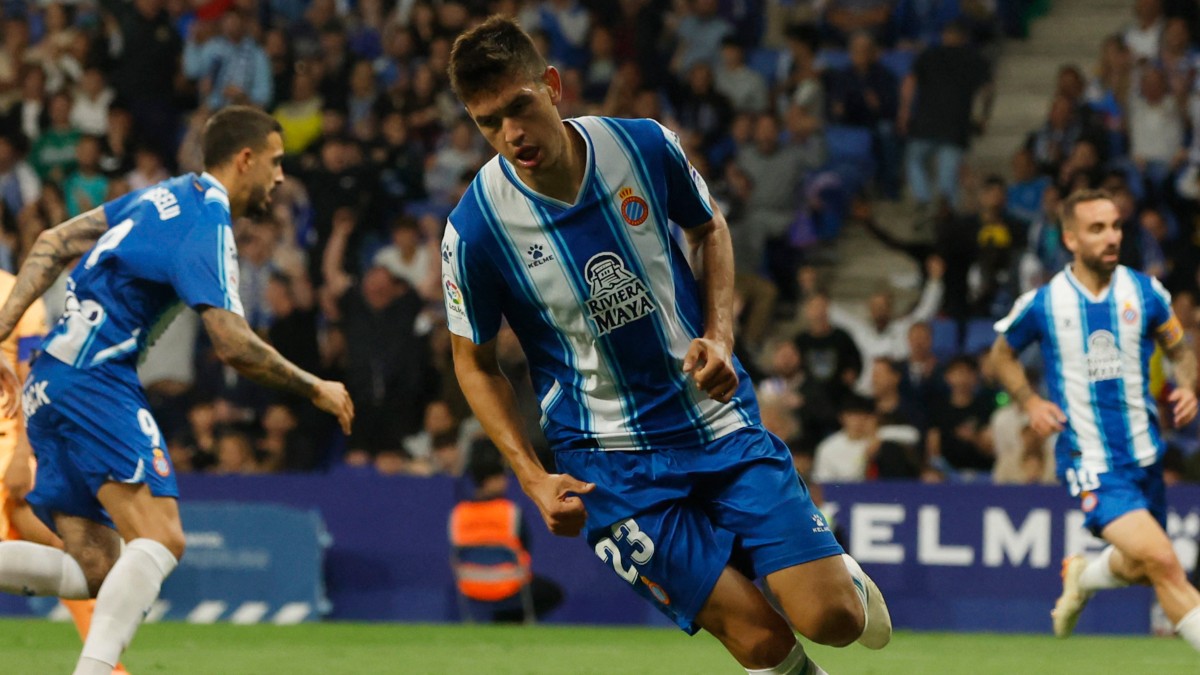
[664, 462]
[1098, 323]
[103, 471]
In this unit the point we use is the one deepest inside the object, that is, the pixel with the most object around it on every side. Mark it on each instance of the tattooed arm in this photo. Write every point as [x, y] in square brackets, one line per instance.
[48, 257]
[237, 345]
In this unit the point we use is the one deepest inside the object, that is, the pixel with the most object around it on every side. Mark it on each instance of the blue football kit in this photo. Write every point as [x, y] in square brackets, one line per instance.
[605, 306]
[1096, 351]
[88, 420]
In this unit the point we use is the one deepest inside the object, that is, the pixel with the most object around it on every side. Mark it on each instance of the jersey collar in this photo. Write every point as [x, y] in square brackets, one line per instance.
[212, 181]
[1070, 274]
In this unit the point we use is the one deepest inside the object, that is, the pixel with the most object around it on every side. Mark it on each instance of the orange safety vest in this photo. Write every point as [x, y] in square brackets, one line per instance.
[495, 522]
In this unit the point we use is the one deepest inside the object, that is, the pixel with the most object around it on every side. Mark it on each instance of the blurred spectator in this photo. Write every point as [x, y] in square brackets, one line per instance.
[363, 95]
[1177, 58]
[300, 115]
[283, 446]
[387, 364]
[843, 457]
[1023, 199]
[801, 397]
[197, 443]
[993, 279]
[865, 94]
[89, 110]
[19, 183]
[116, 155]
[882, 334]
[936, 104]
[231, 67]
[293, 328]
[447, 458]
[565, 24]
[459, 153]
[1053, 142]
[86, 187]
[801, 76]
[745, 88]
[438, 419]
[1108, 91]
[25, 116]
[412, 260]
[235, 453]
[828, 353]
[1143, 35]
[1022, 457]
[901, 423]
[147, 169]
[959, 441]
[701, 108]
[256, 247]
[601, 66]
[401, 166]
[1156, 132]
[920, 24]
[922, 381]
[12, 57]
[147, 56]
[53, 153]
[699, 34]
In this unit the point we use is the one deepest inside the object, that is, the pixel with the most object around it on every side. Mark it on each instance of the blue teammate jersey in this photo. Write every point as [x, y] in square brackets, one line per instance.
[168, 244]
[1097, 353]
[598, 292]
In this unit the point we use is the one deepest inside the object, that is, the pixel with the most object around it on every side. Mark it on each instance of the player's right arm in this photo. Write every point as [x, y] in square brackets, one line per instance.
[237, 345]
[494, 403]
[1044, 416]
[48, 257]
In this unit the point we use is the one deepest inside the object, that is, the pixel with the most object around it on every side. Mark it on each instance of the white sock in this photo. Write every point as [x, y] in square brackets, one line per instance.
[1189, 628]
[1098, 574]
[33, 569]
[796, 663]
[126, 595]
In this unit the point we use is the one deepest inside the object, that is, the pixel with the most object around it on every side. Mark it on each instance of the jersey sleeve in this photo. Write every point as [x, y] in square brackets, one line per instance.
[122, 207]
[31, 330]
[205, 272]
[688, 202]
[1021, 327]
[1159, 315]
[470, 289]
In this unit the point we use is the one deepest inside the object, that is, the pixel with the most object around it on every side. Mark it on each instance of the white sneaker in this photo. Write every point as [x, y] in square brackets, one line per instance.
[878, 629]
[1073, 598]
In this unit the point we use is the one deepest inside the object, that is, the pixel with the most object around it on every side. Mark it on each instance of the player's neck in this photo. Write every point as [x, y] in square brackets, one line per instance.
[226, 176]
[1094, 282]
[562, 179]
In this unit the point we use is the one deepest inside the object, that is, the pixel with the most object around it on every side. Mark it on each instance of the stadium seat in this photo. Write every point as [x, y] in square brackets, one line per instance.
[850, 155]
[980, 336]
[898, 61]
[945, 339]
[833, 59]
[490, 564]
[765, 62]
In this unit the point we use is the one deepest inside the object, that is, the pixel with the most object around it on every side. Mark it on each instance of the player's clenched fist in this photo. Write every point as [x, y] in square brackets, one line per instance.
[710, 363]
[1044, 417]
[555, 496]
[333, 398]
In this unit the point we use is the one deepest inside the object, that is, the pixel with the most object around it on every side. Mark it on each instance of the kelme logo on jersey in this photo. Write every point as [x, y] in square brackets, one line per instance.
[617, 296]
[446, 253]
[633, 208]
[1103, 357]
[537, 256]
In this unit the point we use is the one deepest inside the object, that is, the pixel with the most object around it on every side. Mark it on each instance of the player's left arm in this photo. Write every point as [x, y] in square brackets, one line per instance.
[710, 357]
[1170, 337]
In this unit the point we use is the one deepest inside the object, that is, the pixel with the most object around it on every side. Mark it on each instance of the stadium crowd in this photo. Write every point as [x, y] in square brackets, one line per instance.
[802, 115]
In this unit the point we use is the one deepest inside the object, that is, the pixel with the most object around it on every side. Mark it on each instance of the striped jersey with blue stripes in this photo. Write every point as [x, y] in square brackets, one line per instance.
[1096, 351]
[167, 245]
[598, 292]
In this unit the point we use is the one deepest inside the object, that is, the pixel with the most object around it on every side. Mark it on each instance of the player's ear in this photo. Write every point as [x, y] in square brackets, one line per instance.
[243, 158]
[553, 81]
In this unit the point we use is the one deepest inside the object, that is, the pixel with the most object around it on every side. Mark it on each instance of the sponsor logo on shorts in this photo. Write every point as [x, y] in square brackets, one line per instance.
[1088, 501]
[34, 397]
[162, 467]
[819, 522]
[657, 591]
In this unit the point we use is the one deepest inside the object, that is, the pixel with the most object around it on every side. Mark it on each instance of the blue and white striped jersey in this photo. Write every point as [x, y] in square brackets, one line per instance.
[1097, 353]
[598, 292]
[168, 243]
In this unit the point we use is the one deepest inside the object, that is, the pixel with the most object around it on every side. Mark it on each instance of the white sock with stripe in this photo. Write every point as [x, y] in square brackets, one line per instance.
[34, 569]
[126, 595]
[1188, 628]
[796, 663]
[1098, 574]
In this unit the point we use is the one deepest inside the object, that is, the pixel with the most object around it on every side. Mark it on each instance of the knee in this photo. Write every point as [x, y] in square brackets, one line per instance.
[1162, 565]
[838, 624]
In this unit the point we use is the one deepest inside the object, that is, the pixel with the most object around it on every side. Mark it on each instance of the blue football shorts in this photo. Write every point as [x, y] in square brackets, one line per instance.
[669, 521]
[1104, 497]
[89, 427]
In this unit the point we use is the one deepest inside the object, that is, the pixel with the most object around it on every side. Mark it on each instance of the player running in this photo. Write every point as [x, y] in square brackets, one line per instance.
[102, 463]
[1097, 323]
[655, 426]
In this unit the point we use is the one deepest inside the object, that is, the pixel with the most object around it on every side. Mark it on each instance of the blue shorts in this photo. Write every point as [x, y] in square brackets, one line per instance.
[1114, 493]
[89, 427]
[669, 521]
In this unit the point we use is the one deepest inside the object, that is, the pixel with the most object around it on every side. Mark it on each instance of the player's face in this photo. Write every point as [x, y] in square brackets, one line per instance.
[519, 119]
[266, 172]
[1095, 236]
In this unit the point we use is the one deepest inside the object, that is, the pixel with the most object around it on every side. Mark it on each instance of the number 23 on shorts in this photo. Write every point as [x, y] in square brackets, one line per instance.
[642, 549]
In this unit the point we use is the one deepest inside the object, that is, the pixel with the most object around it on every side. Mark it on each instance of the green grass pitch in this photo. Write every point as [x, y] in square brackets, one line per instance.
[29, 647]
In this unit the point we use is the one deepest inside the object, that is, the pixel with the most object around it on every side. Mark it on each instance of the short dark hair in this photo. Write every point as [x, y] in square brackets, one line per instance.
[496, 50]
[235, 127]
[1066, 210]
[486, 461]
